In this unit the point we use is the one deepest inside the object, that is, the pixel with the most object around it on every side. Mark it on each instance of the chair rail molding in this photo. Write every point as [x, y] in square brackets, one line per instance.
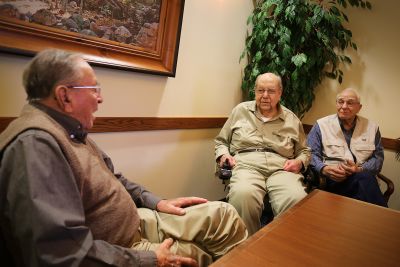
[126, 124]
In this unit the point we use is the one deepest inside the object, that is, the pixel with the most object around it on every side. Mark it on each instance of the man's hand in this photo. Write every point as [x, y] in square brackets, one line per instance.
[166, 258]
[335, 172]
[176, 205]
[293, 165]
[350, 167]
[231, 160]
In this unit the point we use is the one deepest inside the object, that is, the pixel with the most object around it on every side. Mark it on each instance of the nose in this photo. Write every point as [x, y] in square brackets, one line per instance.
[99, 99]
[265, 94]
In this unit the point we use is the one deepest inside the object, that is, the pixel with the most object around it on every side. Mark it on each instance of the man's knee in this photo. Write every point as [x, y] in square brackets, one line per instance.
[246, 200]
[240, 192]
[292, 196]
[296, 195]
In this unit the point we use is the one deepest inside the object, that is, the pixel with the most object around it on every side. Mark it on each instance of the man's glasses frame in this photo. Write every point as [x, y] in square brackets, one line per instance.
[96, 87]
[269, 91]
[350, 103]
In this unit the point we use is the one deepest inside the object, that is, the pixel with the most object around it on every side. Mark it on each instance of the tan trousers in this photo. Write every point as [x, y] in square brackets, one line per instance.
[205, 233]
[257, 174]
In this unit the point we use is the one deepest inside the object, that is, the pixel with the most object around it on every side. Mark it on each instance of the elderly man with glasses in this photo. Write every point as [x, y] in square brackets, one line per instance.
[346, 148]
[61, 202]
[265, 144]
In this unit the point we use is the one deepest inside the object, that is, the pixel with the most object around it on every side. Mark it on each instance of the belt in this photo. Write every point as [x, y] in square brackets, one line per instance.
[262, 149]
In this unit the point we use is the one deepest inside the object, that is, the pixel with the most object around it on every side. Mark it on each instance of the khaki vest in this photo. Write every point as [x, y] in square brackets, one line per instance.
[109, 210]
[334, 144]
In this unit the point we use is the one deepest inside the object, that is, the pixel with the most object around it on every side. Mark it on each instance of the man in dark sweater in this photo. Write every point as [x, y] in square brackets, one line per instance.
[61, 202]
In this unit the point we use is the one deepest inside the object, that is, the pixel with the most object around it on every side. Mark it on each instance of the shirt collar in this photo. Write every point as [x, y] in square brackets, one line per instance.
[352, 127]
[72, 126]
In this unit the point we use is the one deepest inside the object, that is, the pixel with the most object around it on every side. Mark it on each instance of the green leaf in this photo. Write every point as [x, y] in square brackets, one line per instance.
[258, 56]
[242, 55]
[299, 59]
[249, 19]
[308, 26]
[278, 10]
[287, 51]
[347, 59]
[255, 72]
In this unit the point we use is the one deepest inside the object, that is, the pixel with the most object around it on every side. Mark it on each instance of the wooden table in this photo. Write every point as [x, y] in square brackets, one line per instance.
[323, 229]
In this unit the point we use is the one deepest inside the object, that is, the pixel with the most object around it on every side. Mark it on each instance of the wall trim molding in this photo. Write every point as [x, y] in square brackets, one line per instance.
[126, 124]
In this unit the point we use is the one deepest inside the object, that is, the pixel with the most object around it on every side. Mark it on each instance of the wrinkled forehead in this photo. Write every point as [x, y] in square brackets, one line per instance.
[267, 82]
[348, 95]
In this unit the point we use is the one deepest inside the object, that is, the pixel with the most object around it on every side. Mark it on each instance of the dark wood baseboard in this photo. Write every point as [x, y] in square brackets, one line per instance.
[125, 124]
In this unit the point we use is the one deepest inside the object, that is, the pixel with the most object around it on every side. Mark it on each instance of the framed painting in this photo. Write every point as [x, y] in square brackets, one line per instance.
[136, 35]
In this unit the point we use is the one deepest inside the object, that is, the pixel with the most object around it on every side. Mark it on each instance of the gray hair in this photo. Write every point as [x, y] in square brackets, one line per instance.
[270, 75]
[49, 68]
[354, 91]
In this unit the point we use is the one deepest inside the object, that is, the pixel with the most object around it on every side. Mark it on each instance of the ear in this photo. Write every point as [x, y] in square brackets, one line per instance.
[62, 98]
[359, 108]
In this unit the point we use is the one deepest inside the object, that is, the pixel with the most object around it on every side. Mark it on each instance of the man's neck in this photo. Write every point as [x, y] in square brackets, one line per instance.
[269, 114]
[349, 123]
[70, 124]
[50, 103]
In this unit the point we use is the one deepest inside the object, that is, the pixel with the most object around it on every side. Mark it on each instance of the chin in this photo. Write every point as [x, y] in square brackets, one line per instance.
[266, 108]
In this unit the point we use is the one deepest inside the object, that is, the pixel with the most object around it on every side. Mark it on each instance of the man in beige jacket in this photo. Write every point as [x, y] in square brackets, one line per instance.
[265, 144]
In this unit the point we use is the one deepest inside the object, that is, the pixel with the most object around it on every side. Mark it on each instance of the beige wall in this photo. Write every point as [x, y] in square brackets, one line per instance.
[375, 73]
[207, 83]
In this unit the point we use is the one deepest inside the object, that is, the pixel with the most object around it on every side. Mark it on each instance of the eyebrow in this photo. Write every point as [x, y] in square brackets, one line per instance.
[346, 98]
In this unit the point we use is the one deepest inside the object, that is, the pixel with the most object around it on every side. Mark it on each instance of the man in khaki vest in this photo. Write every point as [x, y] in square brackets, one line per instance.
[61, 202]
[346, 148]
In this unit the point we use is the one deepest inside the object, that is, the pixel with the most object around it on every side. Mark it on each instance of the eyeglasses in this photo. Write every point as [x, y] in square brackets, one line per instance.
[350, 103]
[269, 91]
[97, 88]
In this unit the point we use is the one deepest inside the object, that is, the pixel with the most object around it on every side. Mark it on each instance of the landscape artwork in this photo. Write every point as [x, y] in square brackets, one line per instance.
[130, 22]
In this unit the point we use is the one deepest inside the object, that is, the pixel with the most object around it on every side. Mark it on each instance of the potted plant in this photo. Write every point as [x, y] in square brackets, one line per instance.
[301, 40]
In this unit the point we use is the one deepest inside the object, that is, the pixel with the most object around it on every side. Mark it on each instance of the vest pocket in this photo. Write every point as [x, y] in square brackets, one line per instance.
[364, 151]
[335, 150]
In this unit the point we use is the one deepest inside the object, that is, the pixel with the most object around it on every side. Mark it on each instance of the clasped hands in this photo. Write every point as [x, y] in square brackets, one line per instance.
[341, 171]
[175, 206]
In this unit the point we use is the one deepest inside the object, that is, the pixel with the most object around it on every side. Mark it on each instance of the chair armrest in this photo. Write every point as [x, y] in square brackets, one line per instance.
[389, 186]
[313, 180]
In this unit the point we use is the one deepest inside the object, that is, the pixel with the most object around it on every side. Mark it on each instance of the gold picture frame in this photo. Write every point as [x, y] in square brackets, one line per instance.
[24, 37]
